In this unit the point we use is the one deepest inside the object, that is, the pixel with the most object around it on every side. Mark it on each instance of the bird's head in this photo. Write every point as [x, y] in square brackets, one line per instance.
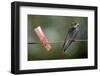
[75, 25]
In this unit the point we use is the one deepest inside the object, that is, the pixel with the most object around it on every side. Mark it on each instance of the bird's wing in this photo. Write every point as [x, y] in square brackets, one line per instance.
[68, 35]
[69, 38]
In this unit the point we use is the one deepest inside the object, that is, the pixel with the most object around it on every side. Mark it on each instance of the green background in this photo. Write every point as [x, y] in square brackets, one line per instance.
[55, 29]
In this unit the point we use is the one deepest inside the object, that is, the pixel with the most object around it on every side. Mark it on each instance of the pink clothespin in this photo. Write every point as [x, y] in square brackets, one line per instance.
[42, 38]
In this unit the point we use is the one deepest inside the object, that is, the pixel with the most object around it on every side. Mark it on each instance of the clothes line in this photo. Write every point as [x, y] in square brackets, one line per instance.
[57, 42]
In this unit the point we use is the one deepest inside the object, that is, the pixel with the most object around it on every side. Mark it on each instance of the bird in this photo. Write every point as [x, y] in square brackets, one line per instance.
[71, 35]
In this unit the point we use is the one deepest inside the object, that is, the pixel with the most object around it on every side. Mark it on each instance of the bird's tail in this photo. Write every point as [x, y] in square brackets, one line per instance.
[68, 43]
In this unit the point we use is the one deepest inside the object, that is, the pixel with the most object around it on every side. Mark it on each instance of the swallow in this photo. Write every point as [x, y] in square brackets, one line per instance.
[71, 35]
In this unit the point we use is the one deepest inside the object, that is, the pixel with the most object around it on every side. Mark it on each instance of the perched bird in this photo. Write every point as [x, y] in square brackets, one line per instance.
[72, 33]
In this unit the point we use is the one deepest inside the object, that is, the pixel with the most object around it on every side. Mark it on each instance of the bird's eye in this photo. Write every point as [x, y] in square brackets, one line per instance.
[74, 23]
